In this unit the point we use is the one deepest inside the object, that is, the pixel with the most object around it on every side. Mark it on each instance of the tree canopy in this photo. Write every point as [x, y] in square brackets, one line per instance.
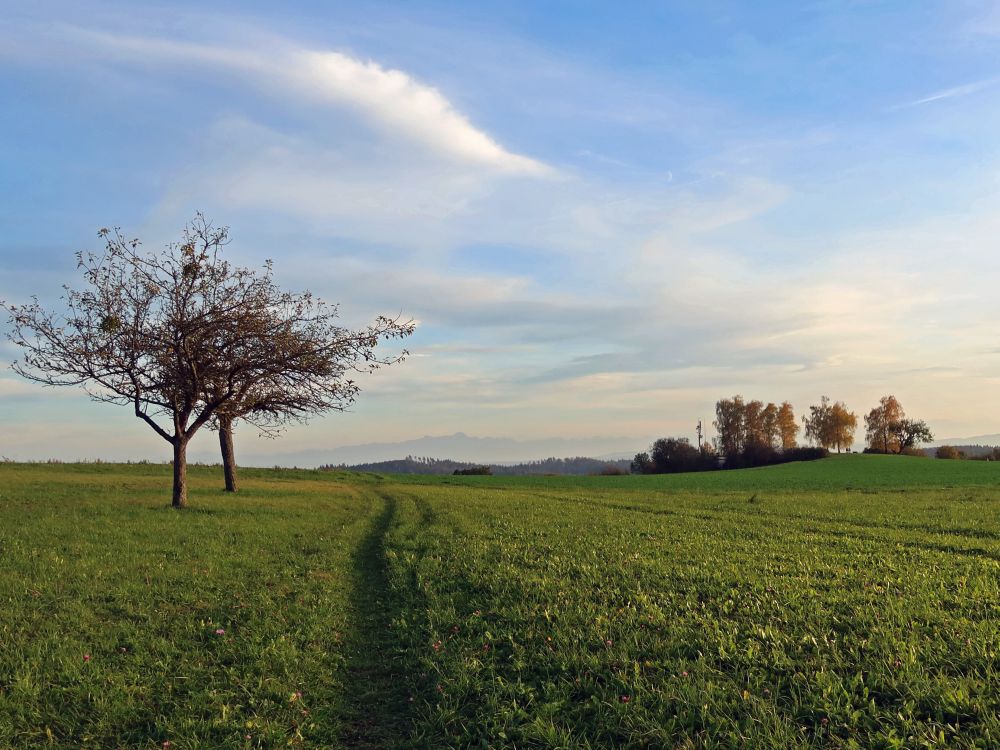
[889, 431]
[831, 425]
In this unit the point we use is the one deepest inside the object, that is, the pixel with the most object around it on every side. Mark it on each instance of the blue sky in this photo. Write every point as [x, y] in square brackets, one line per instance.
[604, 216]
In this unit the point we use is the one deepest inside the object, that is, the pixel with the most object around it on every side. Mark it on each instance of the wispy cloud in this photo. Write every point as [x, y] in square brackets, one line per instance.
[396, 100]
[949, 93]
[390, 99]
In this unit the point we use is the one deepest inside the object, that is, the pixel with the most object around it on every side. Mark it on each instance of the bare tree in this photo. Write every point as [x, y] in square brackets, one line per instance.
[307, 369]
[162, 333]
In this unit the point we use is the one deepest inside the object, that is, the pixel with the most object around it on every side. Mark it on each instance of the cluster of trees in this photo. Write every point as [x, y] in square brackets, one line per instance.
[187, 340]
[749, 426]
[970, 452]
[749, 433]
[949, 452]
[889, 431]
[993, 455]
[669, 455]
[673, 455]
[752, 433]
[831, 425]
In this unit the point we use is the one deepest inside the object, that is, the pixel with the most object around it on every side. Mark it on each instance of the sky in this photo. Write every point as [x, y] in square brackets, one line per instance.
[603, 216]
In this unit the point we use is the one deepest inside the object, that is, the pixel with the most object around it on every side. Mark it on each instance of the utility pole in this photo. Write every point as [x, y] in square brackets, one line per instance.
[699, 434]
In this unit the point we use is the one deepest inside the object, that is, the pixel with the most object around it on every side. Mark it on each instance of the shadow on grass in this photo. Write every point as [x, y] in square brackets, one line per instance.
[197, 510]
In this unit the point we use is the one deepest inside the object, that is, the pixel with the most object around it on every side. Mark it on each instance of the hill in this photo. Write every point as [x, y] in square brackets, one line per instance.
[855, 472]
[559, 466]
[977, 440]
[479, 450]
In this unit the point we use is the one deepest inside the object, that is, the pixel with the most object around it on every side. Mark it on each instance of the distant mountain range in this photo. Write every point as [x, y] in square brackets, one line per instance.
[468, 449]
[462, 447]
[465, 448]
[567, 466]
[976, 440]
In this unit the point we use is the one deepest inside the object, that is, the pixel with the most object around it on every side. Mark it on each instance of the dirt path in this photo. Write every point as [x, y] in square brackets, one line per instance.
[376, 685]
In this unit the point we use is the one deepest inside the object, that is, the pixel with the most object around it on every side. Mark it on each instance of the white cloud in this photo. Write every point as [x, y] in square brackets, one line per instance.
[391, 99]
[11, 388]
[400, 103]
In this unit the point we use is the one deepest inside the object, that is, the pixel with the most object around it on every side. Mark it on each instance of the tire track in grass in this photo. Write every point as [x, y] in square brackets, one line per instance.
[376, 685]
[819, 525]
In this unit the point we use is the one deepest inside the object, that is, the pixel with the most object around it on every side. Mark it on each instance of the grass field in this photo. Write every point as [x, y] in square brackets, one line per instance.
[848, 603]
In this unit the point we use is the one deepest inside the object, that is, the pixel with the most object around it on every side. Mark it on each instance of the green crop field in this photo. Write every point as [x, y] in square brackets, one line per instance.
[847, 603]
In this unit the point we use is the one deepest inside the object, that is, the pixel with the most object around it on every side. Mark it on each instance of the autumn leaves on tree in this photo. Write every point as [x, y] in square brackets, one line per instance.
[831, 426]
[889, 431]
[743, 426]
[748, 426]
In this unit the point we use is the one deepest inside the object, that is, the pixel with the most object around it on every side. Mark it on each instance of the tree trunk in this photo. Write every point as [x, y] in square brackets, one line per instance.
[180, 499]
[228, 455]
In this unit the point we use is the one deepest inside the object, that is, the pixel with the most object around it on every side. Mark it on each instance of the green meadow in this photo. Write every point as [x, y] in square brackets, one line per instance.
[847, 603]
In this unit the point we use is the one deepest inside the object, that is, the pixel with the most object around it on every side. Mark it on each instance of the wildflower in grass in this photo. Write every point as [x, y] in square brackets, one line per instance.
[167, 743]
[625, 698]
[296, 696]
[609, 643]
[220, 631]
[86, 657]
[436, 645]
[684, 673]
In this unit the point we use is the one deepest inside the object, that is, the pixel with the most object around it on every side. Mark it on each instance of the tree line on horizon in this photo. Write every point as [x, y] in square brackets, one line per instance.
[751, 433]
[575, 466]
[973, 452]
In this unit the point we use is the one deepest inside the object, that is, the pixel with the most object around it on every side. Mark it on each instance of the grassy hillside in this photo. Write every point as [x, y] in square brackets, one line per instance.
[853, 471]
[843, 603]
